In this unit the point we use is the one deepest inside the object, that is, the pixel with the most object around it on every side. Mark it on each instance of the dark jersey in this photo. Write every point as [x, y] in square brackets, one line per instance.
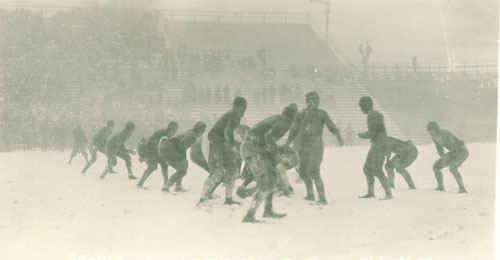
[397, 146]
[79, 137]
[100, 138]
[269, 130]
[223, 130]
[376, 127]
[117, 141]
[154, 139]
[446, 139]
[180, 143]
[308, 127]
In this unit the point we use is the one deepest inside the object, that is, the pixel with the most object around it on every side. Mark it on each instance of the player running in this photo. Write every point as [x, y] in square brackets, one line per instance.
[149, 153]
[98, 143]
[115, 146]
[79, 144]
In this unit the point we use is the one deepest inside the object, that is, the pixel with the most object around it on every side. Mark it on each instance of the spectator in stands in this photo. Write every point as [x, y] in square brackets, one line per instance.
[261, 54]
[228, 59]
[237, 93]
[217, 95]
[414, 64]
[282, 93]
[264, 96]
[272, 94]
[226, 94]
[208, 95]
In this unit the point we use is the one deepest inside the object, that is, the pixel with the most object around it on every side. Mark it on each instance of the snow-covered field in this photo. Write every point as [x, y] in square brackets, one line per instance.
[51, 211]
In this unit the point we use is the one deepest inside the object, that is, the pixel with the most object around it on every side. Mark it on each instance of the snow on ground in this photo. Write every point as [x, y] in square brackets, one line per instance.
[51, 211]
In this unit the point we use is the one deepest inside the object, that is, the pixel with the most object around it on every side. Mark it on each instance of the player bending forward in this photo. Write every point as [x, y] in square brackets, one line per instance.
[405, 153]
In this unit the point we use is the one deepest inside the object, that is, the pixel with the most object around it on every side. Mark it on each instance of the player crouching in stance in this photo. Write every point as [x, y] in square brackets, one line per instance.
[405, 153]
[223, 152]
[98, 143]
[306, 133]
[376, 155]
[259, 152]
[116, 147]
[456, 156]
[148, 152]
[173, 151]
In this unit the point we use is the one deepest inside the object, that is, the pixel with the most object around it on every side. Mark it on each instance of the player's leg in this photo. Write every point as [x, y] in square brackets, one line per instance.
[370, 179]
[389, 168]
[93, 158]
[83, 150]
[259, 172]
[403, 163]
[216, 166]
[230, 175]
[377, 161]
[152, 165]
[456, 162]
[181, 166]
[305, 158]
[128, 162]
[164, 170]
[437, 167]
[111, 163]
[74, 152]
[315, 165]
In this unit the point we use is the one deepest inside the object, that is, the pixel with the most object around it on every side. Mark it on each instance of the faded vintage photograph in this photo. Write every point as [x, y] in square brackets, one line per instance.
[248, 129]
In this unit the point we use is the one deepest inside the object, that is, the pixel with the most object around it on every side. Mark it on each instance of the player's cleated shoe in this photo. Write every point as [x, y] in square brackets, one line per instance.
[310, 197]
[413, 187]
[140, 187]
[387, 197]
[321, 201]
[230, 201]
[242, 192]
[272, 214]
[132, 177]
[213, 196]
[180, 189]
[462, 190]
[165, 189]
[367, 196]
[113, 171]
[101, 177]
[250, 219]
[440, 188]
[202, 202]
[392, 186]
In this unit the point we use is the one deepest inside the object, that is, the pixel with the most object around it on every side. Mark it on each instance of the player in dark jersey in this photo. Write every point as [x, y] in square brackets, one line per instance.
[151, 156]
[223, 152]
[376, 155]
[307, 136]
[405, 153]
[79, 144]
[174, 151]
[98, 143]
[454, 158]
[260, 153]
[115, 146]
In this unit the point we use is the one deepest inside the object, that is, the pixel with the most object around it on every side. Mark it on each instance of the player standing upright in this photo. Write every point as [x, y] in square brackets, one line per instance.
[307, 136]
[98, 143]
[454, 158]
[223, 152]
[376, 155]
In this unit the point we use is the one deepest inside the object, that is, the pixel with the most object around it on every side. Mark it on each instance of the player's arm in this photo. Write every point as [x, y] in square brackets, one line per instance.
[439, 148]
[278, 130]
[232, 124]
[373, 122]
[187, 141]
[294, 130]
[332, 128]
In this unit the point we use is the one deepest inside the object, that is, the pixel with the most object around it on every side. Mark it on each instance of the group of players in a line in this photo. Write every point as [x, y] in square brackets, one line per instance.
[265, 162]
